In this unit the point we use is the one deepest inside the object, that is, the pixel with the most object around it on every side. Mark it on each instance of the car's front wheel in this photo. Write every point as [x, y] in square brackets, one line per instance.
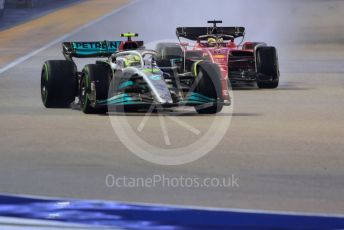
[209, 88]
[99, 75]
[267, 65]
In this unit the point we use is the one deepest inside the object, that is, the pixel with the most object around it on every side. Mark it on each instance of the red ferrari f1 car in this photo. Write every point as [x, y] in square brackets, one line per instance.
[243, 62]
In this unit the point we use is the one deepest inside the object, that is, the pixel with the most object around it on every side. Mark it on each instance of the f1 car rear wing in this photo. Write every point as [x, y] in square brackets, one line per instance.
[92, 49]
[192, 33]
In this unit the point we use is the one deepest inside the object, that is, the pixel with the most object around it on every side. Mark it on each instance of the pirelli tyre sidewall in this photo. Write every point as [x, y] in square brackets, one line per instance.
[267, 65]
[169, 50]
[208, 83]
[58, 83]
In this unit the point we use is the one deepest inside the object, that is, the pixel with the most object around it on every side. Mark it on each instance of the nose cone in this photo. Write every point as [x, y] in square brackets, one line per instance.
[158, 87]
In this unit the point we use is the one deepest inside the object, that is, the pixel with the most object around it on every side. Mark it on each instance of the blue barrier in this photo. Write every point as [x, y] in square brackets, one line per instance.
[155, 217]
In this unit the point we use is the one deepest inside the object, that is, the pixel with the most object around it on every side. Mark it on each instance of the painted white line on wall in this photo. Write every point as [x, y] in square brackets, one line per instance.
[60, 39]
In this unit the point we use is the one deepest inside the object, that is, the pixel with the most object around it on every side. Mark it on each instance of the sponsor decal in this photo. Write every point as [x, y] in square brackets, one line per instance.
[219, 56]
[150, 70]
[96, 45]
[155, 77]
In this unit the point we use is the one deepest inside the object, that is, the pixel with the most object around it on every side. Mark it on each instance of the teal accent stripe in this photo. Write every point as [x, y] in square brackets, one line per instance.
[125, 84]
[191, 101]
[122, 99]
[95, 51]
[197, 99]
[200, 98]
[114, 101]
[113, 98]
[125, 99]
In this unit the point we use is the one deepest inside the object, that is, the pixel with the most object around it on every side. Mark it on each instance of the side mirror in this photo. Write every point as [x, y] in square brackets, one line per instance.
[113, 58]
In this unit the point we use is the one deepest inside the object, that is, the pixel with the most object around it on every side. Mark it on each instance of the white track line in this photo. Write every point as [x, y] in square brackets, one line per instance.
[60, 39]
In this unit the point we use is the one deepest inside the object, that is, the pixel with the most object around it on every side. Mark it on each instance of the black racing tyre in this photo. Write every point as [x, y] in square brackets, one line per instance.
[209, 84]
[267, 64]
[169, 51]
[194, 54]
[252, 45]
[58, 83]
[99, 74]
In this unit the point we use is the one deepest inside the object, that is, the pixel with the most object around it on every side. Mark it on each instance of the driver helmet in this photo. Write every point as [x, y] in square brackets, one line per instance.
[132, 60]
[211, 42]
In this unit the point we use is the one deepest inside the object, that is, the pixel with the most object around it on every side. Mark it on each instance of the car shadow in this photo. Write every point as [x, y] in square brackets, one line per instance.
[180, 114]
[169, 112]
[285, 86]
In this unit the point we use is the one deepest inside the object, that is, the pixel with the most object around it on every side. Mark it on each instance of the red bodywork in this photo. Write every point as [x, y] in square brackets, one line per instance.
[228, 56]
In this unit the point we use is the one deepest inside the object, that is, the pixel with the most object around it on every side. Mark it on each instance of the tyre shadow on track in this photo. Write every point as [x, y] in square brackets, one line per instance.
[293, 86]
[143, 113]
[169, 112]
[285, 86]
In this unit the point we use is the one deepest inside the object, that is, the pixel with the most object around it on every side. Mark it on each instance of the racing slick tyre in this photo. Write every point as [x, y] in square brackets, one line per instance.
[209, 85]
[194, 54]
[58, 83]
[169, 51]
[267, 65]
[99, 75]
[252, 45]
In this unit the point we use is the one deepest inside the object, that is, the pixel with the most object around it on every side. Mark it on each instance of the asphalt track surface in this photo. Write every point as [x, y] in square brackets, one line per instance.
[284, 145]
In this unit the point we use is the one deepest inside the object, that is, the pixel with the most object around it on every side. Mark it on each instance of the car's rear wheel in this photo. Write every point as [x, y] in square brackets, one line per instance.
[252, 45]
[58, 83]
[209, 85]
[97, 75]
[169, 55]
[267, 66]
[169, 51]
